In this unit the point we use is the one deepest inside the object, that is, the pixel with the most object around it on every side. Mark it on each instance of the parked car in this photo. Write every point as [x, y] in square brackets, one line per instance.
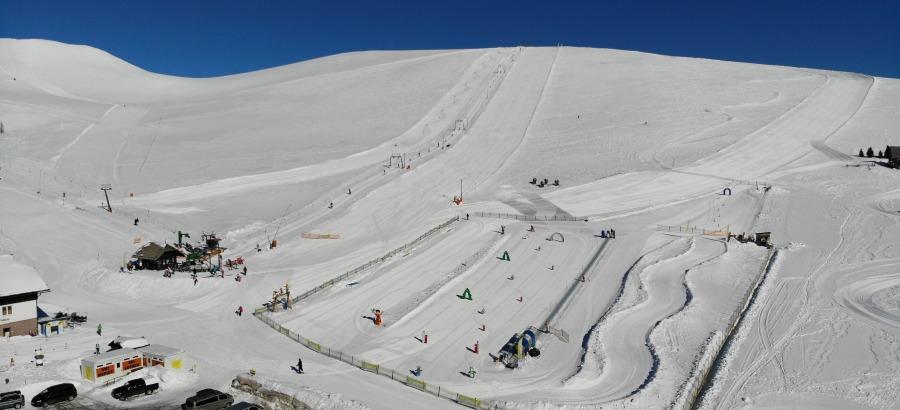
[55, 394]
[244, 406]
[134, 388]
[208, 399]
[12, 400]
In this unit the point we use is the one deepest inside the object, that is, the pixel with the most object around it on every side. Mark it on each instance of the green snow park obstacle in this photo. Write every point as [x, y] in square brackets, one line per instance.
[467, 295]
[505, 256]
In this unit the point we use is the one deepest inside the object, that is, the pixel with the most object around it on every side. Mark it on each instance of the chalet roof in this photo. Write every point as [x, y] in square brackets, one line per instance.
[153, 251]
[17, 278]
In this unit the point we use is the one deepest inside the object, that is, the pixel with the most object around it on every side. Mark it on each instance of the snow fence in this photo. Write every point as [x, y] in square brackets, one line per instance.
[704, 368]
[398, 376]
[529, 218]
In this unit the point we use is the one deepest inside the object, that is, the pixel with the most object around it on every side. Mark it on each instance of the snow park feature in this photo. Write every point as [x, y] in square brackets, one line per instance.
[676, 312]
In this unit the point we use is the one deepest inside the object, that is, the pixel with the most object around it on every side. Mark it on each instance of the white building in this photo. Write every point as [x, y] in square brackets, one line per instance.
[20, 286]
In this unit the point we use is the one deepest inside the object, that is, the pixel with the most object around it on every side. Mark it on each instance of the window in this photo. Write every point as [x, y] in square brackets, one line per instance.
[209, 400]
[105, 370]
[132, 363]
[7, 310]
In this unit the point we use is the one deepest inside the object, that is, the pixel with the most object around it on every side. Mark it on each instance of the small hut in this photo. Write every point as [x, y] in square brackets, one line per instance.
[892, 153]
[110, 366]
[156, 257]
[51, 324]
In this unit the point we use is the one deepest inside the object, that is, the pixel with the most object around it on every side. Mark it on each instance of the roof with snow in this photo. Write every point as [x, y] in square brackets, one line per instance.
[160, 350]
[153, 251]
[17, 278]
[110, 356]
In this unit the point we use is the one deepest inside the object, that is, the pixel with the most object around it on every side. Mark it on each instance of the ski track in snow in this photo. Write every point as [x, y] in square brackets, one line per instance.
[86, 130]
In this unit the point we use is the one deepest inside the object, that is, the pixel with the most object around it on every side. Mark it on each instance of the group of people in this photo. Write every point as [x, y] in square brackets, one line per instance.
[611, 234]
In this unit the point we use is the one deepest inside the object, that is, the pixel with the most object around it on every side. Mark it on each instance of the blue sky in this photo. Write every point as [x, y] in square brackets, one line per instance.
[210, 38]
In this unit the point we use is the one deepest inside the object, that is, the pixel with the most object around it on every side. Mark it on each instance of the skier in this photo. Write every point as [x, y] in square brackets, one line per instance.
[472, 371]
[135, 221]
[467, 216]
[96, 348]
[330, 205]
[240, 310]
[99, 329]
[349, 192]
[418, 371]
[195, 280]
[300, 365]
[245, 270]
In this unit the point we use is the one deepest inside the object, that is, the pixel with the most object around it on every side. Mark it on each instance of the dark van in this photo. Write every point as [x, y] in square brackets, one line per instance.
[208, 399]
[55, 394]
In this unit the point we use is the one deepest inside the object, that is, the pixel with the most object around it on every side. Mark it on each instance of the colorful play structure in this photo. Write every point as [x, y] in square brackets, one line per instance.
[281, 297]
[517, 347]
[466, 295]
[556, 236]
[377, 313]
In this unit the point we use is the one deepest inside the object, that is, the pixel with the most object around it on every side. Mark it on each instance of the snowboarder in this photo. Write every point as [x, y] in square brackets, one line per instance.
[472, 372]
[418, 371]
[502, 229]
[99, 329]
[330, 205]
[300, 365]
[135, 221]
[612, 233]
[349, 192]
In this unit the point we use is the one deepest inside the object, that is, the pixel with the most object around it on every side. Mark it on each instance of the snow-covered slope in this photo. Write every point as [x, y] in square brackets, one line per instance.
[641, 143]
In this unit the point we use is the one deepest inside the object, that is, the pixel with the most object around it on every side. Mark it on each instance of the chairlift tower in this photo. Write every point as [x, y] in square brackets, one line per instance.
[106, 188]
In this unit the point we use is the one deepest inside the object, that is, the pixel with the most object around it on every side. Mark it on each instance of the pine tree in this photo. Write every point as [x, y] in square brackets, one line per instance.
[870, 153]
[1, 127]
[880, 154]
[861, 153]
